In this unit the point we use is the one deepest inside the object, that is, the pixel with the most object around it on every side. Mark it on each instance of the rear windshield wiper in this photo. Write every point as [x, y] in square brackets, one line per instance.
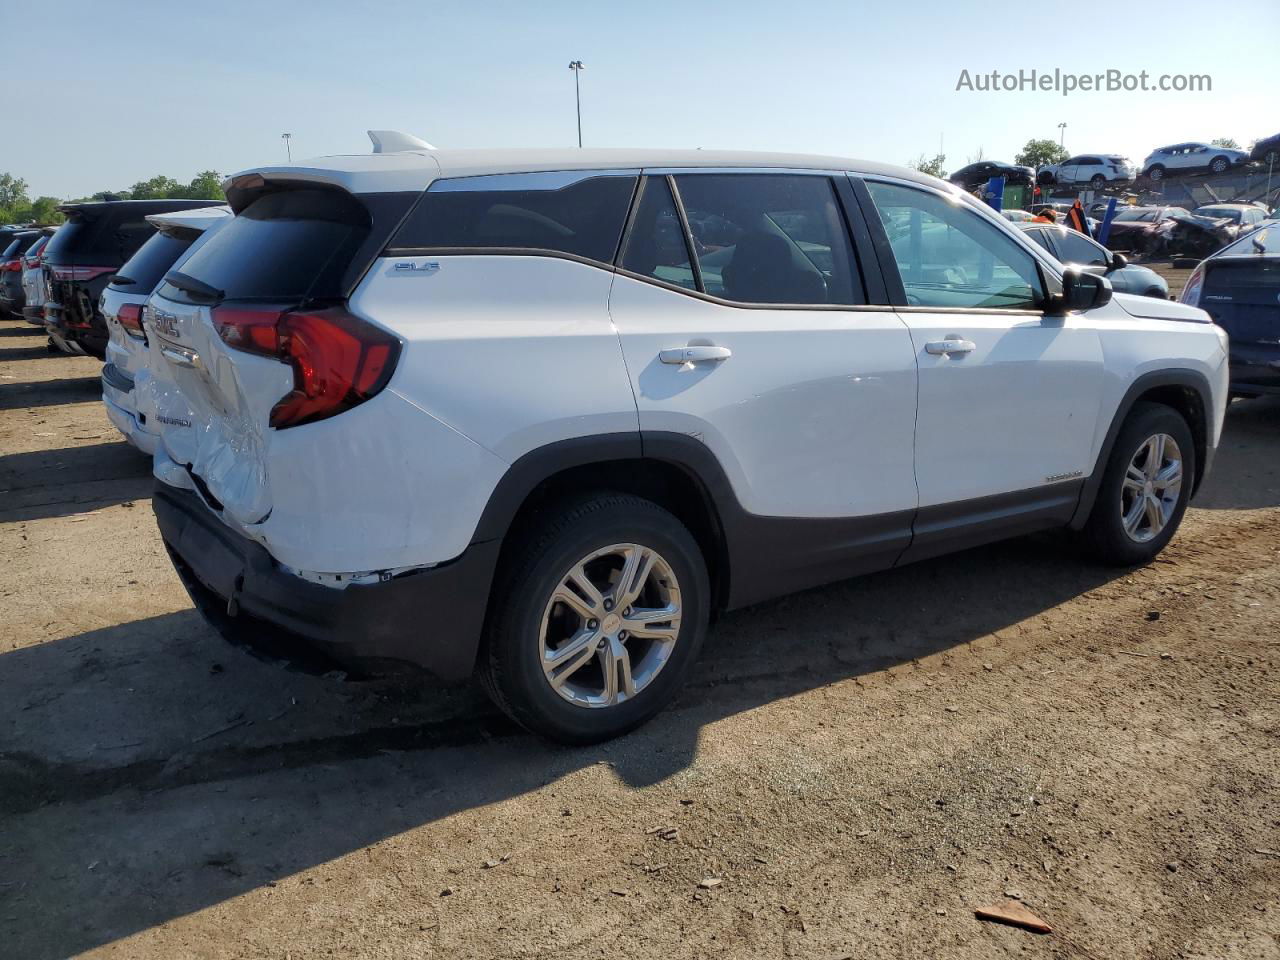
[192, 285]
[120, 280]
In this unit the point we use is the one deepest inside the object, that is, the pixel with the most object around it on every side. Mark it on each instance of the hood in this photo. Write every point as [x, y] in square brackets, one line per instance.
[1151, 308]
[1199, 220]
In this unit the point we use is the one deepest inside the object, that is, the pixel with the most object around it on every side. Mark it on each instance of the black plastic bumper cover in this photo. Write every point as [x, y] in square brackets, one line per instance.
[114, 377]
[428, 618]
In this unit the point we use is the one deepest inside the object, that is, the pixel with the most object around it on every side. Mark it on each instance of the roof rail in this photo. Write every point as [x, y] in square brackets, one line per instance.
[393, 141]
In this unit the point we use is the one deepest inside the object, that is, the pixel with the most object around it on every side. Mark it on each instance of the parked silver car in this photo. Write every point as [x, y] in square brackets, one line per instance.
[1191, 158]
[1076, 249]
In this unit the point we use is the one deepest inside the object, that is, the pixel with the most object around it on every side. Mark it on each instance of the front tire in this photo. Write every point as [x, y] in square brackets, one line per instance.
[599, 613]
[1098, 181]
[1145, 487]
[1219, 165]
[1156, 173]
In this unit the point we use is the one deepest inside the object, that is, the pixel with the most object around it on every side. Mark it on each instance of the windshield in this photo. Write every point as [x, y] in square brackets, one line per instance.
[1229, 213]
[1146, 216]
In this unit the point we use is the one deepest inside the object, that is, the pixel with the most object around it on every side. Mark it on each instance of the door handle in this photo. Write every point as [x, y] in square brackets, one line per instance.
[693, 354]
[944, 348]
[180, 356]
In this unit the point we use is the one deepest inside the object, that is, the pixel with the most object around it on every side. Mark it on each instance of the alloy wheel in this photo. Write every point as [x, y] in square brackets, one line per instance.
[610, 625]
[1152, 486]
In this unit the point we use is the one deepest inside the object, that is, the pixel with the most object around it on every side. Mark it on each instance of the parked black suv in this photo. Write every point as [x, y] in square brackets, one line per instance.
[12, 247]
[83, 255]
[1266, 151]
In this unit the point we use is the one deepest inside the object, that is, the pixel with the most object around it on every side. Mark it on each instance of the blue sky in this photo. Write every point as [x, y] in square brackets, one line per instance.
[117, 92]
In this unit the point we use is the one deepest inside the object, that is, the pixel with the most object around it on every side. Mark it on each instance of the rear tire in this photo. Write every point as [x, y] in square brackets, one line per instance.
[1137, 510]
[1219, 165]
[564, 589]
[1098, 181]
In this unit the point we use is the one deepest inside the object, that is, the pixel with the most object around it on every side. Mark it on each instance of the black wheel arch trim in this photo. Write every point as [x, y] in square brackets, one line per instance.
[760, 556]
[1183, 377]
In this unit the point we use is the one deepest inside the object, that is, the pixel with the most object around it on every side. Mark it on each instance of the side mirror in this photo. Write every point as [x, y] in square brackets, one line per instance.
[1082, 291]
[1119, 260]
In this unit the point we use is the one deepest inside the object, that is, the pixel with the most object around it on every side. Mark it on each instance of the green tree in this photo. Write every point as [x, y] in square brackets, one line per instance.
[45, 210]
[157, 188]
[205, 186]
[930, 165]
[1225, 142]
[13, 191]
[1039, 152]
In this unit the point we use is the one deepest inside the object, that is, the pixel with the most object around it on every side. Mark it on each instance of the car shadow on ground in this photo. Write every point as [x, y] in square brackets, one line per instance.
[48, 393]
[54, 483]
[23, 329]
[151, 770]
[1246, 471]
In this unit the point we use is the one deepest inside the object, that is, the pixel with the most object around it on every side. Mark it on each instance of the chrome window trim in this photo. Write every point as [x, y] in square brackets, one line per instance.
[682, 171]
[534, 180]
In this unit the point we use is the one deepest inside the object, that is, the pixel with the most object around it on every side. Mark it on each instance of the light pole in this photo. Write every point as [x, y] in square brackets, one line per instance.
[288, 148]
[1062, 135]
[577, 67]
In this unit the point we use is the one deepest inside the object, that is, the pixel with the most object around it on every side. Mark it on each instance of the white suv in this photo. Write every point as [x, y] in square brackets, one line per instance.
[545, 414]
[1097, 170]
[1201, 157]
[126, 379]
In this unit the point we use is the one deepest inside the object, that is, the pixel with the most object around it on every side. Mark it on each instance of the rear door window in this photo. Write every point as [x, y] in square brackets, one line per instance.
[770, 238]
[656, 245]
[576, 213]
[288, 246]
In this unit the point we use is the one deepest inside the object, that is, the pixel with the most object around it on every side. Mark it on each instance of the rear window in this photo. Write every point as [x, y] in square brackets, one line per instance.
[558, 212]
[106, 239]
[292, 245]
[149, 265]
[20, 244]
[1229, 213]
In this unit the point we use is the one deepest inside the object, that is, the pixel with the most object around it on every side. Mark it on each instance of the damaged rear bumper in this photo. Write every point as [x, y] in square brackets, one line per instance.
[431, 618]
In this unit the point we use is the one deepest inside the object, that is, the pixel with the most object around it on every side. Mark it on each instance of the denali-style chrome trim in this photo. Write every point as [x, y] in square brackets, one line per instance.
[500, 182]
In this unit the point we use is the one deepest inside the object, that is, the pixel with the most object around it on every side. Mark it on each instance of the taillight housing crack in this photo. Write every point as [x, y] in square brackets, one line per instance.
[339, 361]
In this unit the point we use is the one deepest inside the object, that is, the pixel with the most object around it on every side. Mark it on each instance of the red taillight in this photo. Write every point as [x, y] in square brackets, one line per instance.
[80, 274]
[338, 360]
[130, 317]
[13, 266]
[255, 331]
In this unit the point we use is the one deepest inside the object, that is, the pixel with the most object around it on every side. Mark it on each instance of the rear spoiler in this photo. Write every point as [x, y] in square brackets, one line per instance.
[199, 219]
[393, 141]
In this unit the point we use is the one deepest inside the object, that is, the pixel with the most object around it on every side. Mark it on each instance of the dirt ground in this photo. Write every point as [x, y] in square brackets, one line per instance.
[860, 766]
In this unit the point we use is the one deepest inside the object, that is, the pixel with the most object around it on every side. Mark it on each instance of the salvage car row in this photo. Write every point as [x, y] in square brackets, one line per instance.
[1105, 170]
[541, 415]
